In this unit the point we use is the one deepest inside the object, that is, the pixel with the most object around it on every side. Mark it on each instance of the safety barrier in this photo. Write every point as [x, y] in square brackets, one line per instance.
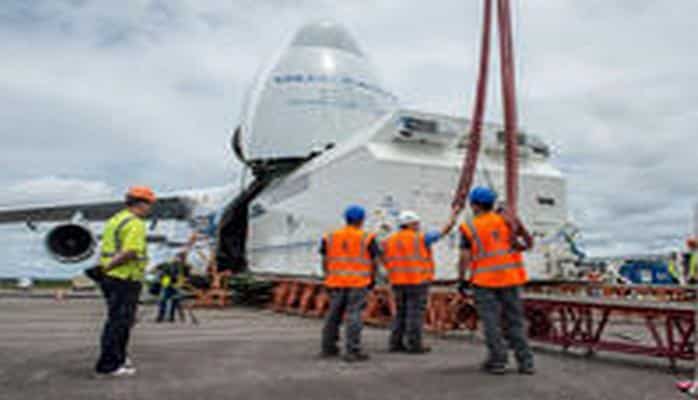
[658, 328]
[303, 297]
[446, 310]
[218, 295]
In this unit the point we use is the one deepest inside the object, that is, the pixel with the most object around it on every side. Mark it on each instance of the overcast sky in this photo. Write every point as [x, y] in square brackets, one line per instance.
[98, 94]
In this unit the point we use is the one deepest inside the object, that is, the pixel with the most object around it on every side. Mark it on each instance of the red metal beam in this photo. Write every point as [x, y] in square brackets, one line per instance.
[567, 321]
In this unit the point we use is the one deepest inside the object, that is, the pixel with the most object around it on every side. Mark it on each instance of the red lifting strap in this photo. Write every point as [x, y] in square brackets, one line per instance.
[470, 162]
[509, 100]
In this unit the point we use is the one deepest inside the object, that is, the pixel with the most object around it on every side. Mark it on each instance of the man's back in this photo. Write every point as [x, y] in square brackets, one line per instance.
[348, 258]
[495, 262]
[125, 232]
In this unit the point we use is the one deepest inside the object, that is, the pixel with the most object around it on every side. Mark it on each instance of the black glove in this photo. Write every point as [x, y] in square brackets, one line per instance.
[96, 273]
[464, 288]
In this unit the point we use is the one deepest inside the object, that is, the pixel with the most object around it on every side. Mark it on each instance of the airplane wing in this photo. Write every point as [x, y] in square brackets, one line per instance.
[165, 208]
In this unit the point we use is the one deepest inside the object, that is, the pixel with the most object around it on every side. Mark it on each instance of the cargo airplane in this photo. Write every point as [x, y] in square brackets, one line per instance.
[319, 131]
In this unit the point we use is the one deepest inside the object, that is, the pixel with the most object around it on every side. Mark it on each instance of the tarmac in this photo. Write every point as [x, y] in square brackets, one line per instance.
[48, 349]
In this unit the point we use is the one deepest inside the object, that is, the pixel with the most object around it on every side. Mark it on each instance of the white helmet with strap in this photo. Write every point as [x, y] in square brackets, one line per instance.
[407, 217]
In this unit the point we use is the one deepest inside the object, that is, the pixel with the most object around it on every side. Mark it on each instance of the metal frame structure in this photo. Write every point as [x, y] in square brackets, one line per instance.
[660, 329]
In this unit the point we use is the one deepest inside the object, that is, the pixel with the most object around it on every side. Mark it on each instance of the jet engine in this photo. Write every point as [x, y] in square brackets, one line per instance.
[70, 243]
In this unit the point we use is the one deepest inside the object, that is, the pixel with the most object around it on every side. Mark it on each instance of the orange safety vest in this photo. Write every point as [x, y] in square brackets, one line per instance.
[407, 258]
[494, 263]
[347, 258]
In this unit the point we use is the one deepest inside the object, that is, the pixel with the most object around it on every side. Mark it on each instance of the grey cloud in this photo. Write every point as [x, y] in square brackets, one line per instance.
[114, 92]
[47, 189]
[200, 86]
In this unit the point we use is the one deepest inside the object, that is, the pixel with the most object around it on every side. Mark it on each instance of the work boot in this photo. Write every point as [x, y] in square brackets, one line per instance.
[120, 372]
[421, 349]
[356, 356]
[128, 364]
[123, 372]
[527, 369]
[329, 353]
[493, 368]
[397, 348]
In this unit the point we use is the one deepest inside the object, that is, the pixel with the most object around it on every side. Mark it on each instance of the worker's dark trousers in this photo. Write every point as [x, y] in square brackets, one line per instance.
[349, 300]
[122, 299]
[411, 302]
[493, 304]
[169, 303]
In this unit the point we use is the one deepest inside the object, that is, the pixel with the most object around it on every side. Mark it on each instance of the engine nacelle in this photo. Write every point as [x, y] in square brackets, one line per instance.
[70, 243]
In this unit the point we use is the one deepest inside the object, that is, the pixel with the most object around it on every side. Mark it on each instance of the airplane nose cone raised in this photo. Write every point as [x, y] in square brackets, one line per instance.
[327, 34]
[319, 92]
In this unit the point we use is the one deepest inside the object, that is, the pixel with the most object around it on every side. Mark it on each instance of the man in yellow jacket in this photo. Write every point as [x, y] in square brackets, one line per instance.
[173, 277]
[692, 245]
[123, 260]
[674, 268]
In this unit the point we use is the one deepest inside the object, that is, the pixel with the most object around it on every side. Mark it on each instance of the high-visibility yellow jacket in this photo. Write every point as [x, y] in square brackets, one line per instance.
[672, 269]
[173, 274]
[125, 232]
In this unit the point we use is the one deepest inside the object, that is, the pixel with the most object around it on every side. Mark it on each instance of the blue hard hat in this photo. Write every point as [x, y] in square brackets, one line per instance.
[483, 195]
[354, 213]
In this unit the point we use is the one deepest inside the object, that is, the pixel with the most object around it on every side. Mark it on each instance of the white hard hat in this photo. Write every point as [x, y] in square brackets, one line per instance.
[407, 217]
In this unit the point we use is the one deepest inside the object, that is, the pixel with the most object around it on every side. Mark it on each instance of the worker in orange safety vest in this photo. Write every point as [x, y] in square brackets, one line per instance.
[407, 258]
[491, 246]
[349, 264]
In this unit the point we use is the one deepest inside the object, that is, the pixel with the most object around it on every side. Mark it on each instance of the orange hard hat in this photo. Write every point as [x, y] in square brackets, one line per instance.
[142, 193]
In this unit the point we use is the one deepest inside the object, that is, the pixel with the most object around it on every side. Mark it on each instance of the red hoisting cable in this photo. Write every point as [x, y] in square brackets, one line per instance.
[509, 98]
[475, 134]
[506, 50]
